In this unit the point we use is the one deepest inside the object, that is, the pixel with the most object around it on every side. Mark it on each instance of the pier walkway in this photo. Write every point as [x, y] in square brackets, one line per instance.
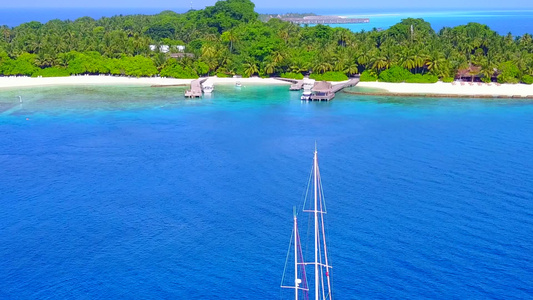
[325, 91]
[326, 20]
[349, 83]
[196, 89]
[296, 84]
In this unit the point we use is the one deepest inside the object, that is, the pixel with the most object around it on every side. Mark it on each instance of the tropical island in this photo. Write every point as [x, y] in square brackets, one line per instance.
[229, 39]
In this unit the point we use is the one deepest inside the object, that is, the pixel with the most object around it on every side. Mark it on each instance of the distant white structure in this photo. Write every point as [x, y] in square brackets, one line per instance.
[162, 48]
[166, 48]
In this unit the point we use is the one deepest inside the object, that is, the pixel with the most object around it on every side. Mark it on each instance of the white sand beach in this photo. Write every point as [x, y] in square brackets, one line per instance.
[439, 88]
[10, 82]
[454, 89]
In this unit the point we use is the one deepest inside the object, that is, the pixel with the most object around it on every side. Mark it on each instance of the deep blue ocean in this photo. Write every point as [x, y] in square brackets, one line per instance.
[515, 21]
[137, 193]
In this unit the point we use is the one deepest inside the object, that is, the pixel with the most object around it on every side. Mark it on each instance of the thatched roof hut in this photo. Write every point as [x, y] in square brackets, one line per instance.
[181, 55]
[471, 71]
[322, 87]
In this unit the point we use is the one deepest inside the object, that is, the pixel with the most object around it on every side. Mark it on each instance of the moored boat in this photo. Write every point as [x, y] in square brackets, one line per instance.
[306, 95]
[208, 87]
[308, 85]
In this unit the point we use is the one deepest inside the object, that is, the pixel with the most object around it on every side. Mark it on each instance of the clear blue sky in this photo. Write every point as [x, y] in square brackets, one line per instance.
[300, 6]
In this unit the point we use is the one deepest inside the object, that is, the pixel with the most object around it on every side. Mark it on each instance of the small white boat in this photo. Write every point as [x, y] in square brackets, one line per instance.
[306, 95]
[308, 86]
[238, 84]
[309, 83]
[208, 87]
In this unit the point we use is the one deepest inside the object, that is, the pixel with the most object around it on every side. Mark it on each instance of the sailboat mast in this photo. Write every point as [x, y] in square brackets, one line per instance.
[296, 283]
[315, 168]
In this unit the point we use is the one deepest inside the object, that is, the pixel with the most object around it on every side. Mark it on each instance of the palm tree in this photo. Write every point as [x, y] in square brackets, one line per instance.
[364, 58]
[340, 65]
[322, 67]
[285, 35]
[232, 38]
[211, 37]
[250, 69]
[278, 57]
[435, 62]
[341, 36]
[208, 51]
[383, 61]
[224, 59]
[380, 63]
[299, 67]
[419, 60]
[352, 69]
[526, 42]
[270, 67]
[487, 70]
[520, 59]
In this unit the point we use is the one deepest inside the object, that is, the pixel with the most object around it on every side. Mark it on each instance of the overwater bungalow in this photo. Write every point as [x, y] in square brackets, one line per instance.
[322, 91]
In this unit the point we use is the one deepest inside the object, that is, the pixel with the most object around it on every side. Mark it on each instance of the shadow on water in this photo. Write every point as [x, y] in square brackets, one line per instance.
[6, 106]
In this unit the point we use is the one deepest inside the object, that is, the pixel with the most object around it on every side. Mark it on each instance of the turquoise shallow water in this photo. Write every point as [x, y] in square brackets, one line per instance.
[137, 193]
[517, 22]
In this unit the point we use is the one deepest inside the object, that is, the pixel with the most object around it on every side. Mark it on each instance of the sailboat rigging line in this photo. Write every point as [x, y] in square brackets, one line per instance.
[321, 275]
[325, 251]
[325, 210]
[324, 220]
[305, 287]
[287, 259]
[312, 263]
[307, 189]
[309, 216]
[315, 178]
[324, 264]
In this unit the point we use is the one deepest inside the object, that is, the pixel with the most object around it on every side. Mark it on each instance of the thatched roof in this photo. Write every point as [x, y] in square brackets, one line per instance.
[181, 55]
[467, 72]
[322, 87]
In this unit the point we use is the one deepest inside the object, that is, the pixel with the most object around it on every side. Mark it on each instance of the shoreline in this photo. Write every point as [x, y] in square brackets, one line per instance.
[446, 90]
[26, 82]
[431, 90]
[415, 95]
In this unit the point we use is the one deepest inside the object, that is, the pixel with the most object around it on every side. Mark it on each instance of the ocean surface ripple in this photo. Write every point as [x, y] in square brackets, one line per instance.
[137, 193]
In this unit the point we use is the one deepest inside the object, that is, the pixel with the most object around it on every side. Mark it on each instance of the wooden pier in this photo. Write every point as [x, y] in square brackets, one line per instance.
[296, 85]
[325, 91]
[326, 20]
[299, 85]
[196, 89]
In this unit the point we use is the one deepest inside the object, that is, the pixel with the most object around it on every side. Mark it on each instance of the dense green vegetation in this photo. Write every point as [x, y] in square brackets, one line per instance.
[329, 76]
[228, 38]
[401, 74]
